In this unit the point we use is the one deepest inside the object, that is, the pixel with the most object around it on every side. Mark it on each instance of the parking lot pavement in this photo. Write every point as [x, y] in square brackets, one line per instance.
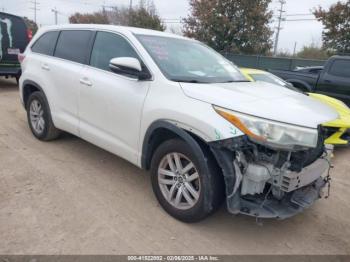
[70, 197]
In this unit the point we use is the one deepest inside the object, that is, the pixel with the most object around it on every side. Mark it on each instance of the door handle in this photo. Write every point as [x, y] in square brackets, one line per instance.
[45, 67]
[85, 81]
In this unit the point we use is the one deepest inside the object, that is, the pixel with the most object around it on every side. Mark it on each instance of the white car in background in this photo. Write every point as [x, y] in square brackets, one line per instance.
[174, 106]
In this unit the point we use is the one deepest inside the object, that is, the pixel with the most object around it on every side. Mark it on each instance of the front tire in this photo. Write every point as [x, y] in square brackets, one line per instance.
[187, 187]
[39, 118]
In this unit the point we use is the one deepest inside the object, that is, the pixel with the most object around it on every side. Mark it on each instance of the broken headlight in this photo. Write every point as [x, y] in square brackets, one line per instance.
[268, 132]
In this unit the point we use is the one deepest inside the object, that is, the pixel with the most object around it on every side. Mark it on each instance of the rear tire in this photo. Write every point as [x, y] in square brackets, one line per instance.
[39, 117]
[198, 197]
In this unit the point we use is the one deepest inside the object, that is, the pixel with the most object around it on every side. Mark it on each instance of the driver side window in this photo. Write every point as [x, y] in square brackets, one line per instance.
[108, 46]
[340, 68]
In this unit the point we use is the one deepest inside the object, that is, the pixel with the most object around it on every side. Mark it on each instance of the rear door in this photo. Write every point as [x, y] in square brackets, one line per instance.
[36, 67]
[13, 40]
[335, 81]
[71, 55]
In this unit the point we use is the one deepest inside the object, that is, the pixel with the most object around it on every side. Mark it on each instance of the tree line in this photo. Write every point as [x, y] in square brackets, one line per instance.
[237, 26]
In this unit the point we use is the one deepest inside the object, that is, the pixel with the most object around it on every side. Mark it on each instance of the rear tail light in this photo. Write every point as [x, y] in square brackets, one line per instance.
[21, 57]
[29, 34]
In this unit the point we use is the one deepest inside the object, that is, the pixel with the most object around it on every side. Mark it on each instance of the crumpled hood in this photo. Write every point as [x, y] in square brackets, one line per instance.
[263, 100]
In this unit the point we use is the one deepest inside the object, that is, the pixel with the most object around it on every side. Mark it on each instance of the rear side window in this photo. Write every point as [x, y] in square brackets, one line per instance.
[46, 43]
[341, 68]
[108, 46]
[73, 45]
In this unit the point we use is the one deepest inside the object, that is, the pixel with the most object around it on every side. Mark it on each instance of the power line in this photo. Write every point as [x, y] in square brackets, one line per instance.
[300, 14]
[301, 19]
[279, 28]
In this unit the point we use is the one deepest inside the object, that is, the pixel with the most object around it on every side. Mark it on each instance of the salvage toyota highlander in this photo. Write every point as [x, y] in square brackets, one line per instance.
[174, 106]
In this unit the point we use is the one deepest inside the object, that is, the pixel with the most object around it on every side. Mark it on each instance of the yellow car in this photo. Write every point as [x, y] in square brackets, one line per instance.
[337, 129]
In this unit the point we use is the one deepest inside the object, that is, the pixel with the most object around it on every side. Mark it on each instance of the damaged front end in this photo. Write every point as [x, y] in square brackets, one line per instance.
[266, 182]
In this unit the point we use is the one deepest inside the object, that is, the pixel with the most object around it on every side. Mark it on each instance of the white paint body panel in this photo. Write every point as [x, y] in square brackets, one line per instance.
[115, 112]
[110, 111]
[264, 100]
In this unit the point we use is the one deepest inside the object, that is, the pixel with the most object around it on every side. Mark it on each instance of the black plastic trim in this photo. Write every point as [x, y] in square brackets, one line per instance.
[148, 143]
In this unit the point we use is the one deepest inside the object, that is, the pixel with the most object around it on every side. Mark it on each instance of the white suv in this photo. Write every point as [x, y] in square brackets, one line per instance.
[174, 106]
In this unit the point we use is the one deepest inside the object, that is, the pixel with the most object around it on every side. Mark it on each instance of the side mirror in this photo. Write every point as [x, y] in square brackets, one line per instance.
[128, 66]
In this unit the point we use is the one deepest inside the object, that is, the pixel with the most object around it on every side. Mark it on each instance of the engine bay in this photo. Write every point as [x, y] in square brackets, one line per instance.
[272, 183]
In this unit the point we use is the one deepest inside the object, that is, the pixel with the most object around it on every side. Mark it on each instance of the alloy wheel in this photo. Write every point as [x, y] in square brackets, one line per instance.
[36, 114]
[179, 181]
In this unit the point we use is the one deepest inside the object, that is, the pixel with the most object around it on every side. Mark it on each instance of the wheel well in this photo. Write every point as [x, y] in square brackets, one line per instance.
[157, 137]
[27, 91]
[161, 135]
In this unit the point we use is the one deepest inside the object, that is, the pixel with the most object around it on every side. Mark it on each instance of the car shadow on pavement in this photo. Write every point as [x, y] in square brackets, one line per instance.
[7, 85]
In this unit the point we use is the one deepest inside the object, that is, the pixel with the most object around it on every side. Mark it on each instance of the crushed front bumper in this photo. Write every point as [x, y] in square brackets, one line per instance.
[293, 203]
[304, 189]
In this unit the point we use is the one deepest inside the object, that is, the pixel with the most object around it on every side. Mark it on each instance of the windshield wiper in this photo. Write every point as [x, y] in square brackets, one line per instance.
[236, 81]
[205, 82]
[188, 81]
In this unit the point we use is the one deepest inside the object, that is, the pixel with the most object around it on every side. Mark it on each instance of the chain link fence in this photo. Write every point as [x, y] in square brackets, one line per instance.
[265, 62]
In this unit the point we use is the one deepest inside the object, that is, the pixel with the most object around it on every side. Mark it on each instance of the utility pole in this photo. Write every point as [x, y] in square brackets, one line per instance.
[295, 49]
[279, 28]
[130, 4]
[55, 11]
[35, 8]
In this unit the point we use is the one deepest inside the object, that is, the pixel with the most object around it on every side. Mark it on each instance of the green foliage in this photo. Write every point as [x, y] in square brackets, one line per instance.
[240, 26]
[94, 18]
[31, 25]
[336, 22]
[284, 54]
[144, 16]
[313, 52]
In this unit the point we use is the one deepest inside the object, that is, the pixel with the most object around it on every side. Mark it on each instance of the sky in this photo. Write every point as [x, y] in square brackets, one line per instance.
[299, 32]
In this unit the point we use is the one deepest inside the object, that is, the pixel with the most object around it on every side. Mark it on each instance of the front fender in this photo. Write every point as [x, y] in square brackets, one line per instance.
[171, 127]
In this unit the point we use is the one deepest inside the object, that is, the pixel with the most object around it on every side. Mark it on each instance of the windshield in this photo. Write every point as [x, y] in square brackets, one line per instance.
[270, 78]
[183, 60]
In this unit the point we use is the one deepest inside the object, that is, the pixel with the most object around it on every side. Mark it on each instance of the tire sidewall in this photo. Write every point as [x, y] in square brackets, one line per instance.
[46, 114]
[203, 207]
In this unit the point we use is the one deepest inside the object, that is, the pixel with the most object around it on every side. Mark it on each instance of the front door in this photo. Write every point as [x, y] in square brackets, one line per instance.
[336, 81]
[110, 105]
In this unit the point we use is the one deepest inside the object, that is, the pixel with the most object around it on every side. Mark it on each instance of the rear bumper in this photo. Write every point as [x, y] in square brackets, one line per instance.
[10, 71]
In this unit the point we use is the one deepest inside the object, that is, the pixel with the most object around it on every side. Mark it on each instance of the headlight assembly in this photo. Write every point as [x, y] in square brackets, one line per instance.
[270, 132]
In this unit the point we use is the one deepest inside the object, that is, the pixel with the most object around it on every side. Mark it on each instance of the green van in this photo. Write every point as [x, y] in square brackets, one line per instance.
[14, 37]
